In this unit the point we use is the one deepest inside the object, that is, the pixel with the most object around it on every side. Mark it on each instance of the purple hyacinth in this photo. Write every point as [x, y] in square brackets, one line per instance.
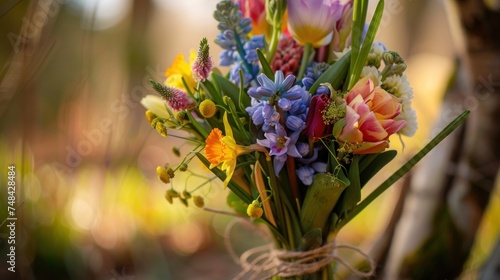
[280, 145]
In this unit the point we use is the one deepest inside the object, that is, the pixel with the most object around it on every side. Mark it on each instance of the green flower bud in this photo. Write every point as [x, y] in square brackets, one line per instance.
[186, 194]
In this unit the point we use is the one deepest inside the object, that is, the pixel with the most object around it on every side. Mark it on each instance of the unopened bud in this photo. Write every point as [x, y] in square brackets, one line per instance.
[162, 130]
[254, 210]
[173, 193]
[168, 197]
[184, 201]
[186, 194]
[170, 172]
[154, 122]
[388, 58]
[181, 116]
[176, 151]
[150, 116]
[198, 201]
[207, 108]
[162, 174]
[399, 69]
[183, 167]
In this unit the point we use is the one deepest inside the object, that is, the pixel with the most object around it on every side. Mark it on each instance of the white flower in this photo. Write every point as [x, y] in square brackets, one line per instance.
[156, 104]
[410, 116]
[378, 48]
[372, 73]
[375, 54]
[399, 86]
[339, 55]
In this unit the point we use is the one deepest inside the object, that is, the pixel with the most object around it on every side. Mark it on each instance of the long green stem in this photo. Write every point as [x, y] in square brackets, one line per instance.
[404, 169]
[241, 51]
[305, 59]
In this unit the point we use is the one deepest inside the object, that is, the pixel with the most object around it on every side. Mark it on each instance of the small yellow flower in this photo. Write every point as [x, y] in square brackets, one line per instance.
[198, 201]
[207, 108]
[254, 210]
[181, 69]
[223, 150]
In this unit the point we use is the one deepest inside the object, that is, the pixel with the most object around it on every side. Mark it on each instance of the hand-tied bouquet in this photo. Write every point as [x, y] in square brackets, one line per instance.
[297, 127]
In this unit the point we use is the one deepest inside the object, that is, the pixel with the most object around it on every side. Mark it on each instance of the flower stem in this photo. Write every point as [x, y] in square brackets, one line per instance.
[241, 51]
[305, 60]
[273, 44]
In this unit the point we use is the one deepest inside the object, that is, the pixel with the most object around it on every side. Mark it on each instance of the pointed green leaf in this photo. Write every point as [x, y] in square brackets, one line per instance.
[335, 74]
[231, 90]
[367, 44]
[352, 194]
[376, 163]
[266, 69]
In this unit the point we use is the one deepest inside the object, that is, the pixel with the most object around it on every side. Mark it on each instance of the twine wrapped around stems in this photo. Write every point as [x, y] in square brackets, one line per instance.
[265, 261]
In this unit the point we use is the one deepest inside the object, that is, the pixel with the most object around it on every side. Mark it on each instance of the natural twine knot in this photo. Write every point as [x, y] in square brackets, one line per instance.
[265, 261]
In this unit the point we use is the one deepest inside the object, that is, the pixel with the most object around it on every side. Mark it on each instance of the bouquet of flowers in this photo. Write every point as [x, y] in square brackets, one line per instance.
[298, 125]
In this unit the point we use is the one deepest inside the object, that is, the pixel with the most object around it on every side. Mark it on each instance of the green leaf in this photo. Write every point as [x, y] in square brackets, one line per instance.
[335, 74]
[231, 90]
[360, 8]
[266, 69]
[197, 126]
[352, 194]
[367, 44]
[212, 92]
[238, 205]
[375, 162]
[405, 168]
[320, 199]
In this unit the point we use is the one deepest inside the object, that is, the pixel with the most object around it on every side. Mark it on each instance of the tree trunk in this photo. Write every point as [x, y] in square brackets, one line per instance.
[451, 189]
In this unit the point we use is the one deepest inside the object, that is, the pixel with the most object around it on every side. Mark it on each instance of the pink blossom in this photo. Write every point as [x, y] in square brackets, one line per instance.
[370, 114]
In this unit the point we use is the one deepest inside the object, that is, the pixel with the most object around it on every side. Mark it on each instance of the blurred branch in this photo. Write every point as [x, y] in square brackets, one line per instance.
[449, 193]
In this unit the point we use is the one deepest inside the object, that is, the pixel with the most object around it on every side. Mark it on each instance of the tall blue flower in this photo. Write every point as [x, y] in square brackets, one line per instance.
[280, 146]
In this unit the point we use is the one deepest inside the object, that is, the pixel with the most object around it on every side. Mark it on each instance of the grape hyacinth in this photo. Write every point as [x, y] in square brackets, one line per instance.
[239, 49]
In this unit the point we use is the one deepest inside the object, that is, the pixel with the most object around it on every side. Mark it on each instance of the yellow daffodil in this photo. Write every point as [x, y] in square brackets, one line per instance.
[223, 150]
[181, 69]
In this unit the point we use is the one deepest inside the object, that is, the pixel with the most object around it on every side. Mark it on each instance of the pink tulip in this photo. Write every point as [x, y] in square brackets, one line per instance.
[370, 114]
[313, 21]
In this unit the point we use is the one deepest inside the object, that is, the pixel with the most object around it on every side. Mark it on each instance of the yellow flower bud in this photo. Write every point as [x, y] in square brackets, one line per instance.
[162, 174]
[181, 116]
[198, 201]
[150, 116]
[186, 194]
[154, 122]
[170, 172]
[168, 197]
[254, 210]
[207, 108]
[173, 193]
[162, 130]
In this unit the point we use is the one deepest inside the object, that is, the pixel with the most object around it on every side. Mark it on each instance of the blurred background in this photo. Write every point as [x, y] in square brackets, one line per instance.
[89, 203]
